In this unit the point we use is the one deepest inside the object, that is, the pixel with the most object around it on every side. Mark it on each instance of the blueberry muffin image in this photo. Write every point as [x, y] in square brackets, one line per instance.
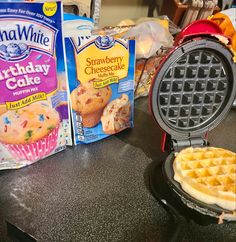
[13, 49]
[89, 102]
[30, 133]
[116, 115]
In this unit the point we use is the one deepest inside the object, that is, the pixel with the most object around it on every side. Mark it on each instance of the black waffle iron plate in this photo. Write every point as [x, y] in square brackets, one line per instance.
[192, 92]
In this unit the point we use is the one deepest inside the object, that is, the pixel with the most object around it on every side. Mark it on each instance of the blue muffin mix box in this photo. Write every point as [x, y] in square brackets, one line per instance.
[101, 82]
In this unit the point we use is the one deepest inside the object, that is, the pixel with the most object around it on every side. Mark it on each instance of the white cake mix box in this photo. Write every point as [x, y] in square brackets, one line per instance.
[33, 102]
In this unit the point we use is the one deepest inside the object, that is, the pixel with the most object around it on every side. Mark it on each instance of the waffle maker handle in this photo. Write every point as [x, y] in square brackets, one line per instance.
[199, 28]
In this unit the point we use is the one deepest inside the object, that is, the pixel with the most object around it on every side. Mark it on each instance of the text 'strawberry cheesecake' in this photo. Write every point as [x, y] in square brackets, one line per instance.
[116, 115]
[89, 102]
[31, 132]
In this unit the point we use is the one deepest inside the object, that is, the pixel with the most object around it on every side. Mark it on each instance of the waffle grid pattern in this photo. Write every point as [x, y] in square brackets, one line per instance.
[213, 168]
[193, 89]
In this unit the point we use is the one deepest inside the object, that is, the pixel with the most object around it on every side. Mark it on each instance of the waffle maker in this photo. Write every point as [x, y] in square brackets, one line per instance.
[192, 91]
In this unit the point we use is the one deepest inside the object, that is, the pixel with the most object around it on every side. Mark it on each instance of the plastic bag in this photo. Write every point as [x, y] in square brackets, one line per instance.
[145, 71]
[173, 28]
[150, 37]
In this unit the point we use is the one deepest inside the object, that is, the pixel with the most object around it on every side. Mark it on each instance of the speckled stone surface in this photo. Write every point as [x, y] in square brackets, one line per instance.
[99, 192]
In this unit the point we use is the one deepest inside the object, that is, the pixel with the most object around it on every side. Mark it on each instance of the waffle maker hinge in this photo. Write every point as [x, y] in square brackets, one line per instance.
[178, 145]
[170, 144]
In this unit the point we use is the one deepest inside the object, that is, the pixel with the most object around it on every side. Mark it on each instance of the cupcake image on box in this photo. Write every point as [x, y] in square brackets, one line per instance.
[30, 133]
[89, 102]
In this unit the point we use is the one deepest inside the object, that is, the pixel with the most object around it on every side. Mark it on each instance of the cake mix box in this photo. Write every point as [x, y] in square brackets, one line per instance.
[101, 81]
[33, 102]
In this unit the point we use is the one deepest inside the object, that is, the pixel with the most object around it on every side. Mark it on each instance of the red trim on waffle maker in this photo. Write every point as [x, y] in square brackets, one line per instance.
[199, 28]
[163, 142]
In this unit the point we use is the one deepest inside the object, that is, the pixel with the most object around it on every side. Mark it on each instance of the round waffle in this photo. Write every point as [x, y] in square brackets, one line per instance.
[208, 174]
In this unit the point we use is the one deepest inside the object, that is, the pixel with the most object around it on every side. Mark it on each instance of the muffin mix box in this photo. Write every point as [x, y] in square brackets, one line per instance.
[101, 82]
[33, 102]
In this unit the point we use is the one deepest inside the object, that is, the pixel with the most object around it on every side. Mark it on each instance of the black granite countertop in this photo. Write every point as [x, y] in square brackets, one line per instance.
[99, 192]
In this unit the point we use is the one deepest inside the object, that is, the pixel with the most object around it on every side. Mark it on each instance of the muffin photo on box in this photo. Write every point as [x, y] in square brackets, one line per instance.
[89, 102]
[116, 115]
[30, 133]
